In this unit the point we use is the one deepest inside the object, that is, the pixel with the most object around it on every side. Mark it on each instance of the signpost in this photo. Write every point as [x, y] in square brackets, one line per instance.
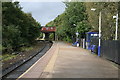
[77, 39]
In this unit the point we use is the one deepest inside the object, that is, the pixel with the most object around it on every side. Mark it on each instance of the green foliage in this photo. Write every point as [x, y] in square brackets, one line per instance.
[26, 48]
[0, 47]
[11, 36]
[6, 57]
[78, 17]
[73, 18]
[82, 27]
[68, 39]
[108, 10]
[18, 28]
[51, 36]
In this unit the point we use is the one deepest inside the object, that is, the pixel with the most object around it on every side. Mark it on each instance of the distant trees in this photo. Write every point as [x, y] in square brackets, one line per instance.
[18, 28]
[74, 19]
[78, 17]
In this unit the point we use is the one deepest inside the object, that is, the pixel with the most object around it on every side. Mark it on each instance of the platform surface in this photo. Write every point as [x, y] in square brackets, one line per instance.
[67, 61]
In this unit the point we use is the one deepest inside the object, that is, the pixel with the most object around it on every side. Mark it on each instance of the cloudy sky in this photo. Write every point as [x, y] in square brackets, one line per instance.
[43, 12]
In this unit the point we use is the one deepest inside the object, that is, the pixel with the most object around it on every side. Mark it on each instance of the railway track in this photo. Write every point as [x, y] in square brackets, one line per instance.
[18, 68]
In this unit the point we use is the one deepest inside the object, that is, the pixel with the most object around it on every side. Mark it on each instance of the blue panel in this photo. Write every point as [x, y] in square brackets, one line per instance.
[88, 36]
[98, 50]
[92, 32]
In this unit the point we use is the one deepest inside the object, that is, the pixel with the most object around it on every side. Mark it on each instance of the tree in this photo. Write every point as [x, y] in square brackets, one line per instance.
[108, 10]
[68, 22]
[18, 28]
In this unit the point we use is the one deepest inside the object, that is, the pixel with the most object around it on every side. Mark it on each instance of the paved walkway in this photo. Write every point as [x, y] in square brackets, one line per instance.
[71, 62]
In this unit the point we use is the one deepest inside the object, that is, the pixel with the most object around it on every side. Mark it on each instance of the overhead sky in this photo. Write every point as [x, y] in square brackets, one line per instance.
[43, 12]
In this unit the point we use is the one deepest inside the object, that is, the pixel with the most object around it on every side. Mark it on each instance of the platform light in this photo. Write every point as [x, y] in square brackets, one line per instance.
[99, 45]
[114, 17]
[116, 31]
[93, 9]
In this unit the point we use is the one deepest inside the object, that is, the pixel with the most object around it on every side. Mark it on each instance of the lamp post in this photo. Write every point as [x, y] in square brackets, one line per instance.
[99, 46]
[116, 25]
[77, 35]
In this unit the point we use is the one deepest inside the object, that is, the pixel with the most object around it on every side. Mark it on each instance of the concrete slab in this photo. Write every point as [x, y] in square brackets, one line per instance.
[74, 62]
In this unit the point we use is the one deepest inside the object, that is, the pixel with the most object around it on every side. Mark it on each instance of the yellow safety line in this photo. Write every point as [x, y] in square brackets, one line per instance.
[31, 67]
[49, 67]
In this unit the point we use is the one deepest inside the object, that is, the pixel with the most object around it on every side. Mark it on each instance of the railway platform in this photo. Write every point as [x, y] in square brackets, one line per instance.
[66, 61]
